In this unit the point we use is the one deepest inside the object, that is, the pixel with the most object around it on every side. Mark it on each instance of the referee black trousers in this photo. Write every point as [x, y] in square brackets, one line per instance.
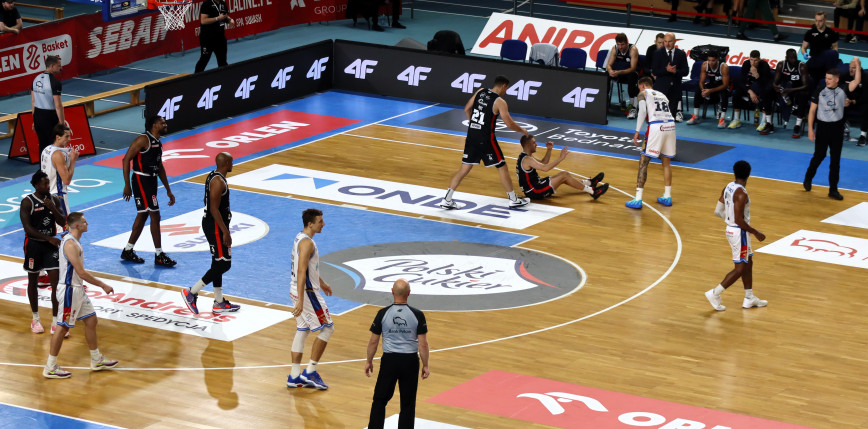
[212, 44]
[401, 368]
[829, 136]
[44, 121]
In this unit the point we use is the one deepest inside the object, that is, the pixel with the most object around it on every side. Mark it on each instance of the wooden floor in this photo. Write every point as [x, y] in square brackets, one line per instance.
[800, 360]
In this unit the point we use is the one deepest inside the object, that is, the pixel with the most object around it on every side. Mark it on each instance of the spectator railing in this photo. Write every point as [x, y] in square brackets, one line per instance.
[58, 12]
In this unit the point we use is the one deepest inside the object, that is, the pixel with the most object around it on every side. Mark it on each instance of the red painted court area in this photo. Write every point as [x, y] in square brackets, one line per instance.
[242, 138]
[571, 406]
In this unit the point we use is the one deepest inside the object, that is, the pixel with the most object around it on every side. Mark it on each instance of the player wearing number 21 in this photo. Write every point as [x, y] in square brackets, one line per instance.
[659, 140]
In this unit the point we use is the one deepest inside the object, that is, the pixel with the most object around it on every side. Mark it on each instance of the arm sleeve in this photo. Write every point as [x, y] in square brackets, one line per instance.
[719, 210]
[640, 118]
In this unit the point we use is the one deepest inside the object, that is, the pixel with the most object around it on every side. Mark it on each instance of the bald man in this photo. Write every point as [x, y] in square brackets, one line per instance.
[215, 226]
[669, 67]
[405, 340]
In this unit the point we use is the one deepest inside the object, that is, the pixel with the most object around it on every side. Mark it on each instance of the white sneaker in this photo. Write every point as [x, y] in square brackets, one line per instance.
[754, 302]
[632, 114]
[714, 300]
[679, 117]
[448, 204]
[693, 120]
[519, 202]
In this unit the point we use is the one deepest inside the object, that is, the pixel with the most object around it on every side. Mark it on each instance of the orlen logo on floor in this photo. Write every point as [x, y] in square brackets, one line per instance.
[184, 233]
[438, 272]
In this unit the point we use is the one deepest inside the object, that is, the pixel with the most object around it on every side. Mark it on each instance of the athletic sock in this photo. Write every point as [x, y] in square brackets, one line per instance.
[718, 290]
[449, 193]
[511, 195]
[765, 118]
[798, 121]
[639, 194]
[864, 133]
[667, 192]
[311, 367]
[36, 316]
[52, 362]
[218, 294]
[294, 370]
[129, 246]
[197, 287]
[696, 111]
[95, 355]
[158, 250]
[748, 293]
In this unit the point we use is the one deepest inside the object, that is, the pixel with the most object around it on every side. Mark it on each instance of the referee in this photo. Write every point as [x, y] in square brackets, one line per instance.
[45, 98]
[404, 335]
[214, 19]
[827, 106]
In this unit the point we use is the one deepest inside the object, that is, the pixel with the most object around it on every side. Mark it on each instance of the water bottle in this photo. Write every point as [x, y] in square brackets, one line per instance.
[756, 117]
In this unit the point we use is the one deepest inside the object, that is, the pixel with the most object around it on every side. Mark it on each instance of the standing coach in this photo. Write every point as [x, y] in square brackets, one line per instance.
[405, 340]
[45, 99]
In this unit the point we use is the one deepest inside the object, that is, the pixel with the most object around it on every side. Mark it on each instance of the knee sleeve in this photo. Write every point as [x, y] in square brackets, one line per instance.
[221, 266]
[326, 333]
[298, 342]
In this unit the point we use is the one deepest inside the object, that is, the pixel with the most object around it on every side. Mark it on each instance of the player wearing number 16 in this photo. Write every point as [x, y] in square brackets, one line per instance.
[659, 140]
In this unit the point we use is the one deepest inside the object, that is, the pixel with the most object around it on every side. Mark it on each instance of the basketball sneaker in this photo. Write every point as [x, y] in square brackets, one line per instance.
[861, 141]
[56, 372]
[667, 201]
[754, 302]
[448, 204]
[313, 380]
[600, 190]
[679, 117]
[768, 129]
[734, 124]
[190, 299]
[597, 179]
[164, 260]
[634, 204]
[693, 120]
[519, 202]
[721, 123]
[102, 364]
[714, 300]
[43, 280]
[797, 131]
[295, 382]
[224, 307]
[632, 114]
[36, 327]
[130, 255]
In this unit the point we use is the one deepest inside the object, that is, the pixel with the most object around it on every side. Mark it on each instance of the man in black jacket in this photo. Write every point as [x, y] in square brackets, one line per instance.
[669, 67]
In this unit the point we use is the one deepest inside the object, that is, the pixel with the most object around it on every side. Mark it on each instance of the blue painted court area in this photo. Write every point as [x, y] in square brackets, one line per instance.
[260, 269]
[13, 417]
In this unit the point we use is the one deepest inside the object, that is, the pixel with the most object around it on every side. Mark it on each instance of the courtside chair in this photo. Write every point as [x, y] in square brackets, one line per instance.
[513, 50]
[690, 86]
[574, 58]
[602, 56]
[544, 54]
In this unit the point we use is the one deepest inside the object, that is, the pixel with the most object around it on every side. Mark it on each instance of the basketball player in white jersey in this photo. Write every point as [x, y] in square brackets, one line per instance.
[310, 310]
[659, 140]
[75, 304]
[734, 207]
[58, 162]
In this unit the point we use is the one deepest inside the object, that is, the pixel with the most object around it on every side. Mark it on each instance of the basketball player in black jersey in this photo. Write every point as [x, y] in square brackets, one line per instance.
[791, 82]
[482, 111]
[39, 213]
[215, 225]
[537, 188]
[146, 155]
[713, 89]
[623, 67]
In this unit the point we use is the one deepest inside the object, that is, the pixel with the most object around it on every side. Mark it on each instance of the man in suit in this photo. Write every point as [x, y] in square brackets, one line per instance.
[669, 67]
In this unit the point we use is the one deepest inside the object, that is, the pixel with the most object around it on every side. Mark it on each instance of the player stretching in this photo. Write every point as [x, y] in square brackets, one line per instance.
[659, 140]
[734, 207]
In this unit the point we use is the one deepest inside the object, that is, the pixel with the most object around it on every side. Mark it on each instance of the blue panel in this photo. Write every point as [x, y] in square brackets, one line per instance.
[17, 417]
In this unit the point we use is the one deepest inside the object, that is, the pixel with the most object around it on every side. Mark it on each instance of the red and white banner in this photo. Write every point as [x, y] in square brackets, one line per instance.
[594, 38]
[565, 405]
[87, 44]
[25, 143]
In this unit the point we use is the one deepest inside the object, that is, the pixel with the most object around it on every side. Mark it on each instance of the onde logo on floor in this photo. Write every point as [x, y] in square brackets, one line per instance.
[483, 276]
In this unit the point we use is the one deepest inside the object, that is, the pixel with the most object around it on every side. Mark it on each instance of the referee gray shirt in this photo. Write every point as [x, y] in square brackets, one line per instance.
[400, 325]
[830, 104]
[45, 87]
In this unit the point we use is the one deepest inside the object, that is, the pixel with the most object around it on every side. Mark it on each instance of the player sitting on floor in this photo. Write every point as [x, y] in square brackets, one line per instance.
[537, 188]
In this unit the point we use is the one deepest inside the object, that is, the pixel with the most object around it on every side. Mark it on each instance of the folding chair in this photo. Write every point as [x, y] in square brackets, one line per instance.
[513, 50]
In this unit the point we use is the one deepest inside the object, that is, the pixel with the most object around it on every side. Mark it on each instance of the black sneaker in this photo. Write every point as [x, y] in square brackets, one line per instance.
[164, 260]
[781, 36]
[599, 191]
[836, 195]
[396, 24]
[861, 141]
[741, 36]
[376, 27]
[768, 129]
[597, 179]
[130, 255]
[797, 132]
